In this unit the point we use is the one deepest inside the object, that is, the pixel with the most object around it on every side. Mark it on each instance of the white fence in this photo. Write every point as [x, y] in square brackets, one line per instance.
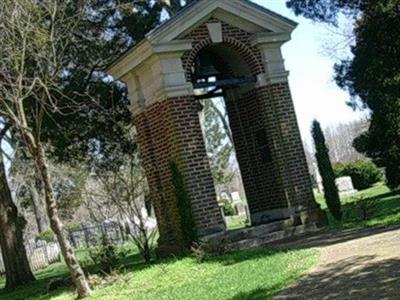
[40, 255]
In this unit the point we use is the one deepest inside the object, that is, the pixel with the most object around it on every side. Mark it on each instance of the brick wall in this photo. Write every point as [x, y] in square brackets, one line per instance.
[280, 118]
[170, 130]
[263, 188]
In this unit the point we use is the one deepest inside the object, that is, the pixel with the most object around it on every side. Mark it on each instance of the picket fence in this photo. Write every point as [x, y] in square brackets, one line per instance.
[40, 255]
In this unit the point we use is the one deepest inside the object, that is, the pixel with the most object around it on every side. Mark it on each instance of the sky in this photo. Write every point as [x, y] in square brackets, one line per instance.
[315, 94]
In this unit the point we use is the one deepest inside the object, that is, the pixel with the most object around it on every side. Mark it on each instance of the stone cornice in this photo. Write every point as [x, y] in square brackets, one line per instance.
[142, 53]
[273, 39]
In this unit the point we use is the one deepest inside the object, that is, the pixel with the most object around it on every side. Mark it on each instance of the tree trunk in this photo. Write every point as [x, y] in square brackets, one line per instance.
[39, 207]
[77, 274]
[18, 271]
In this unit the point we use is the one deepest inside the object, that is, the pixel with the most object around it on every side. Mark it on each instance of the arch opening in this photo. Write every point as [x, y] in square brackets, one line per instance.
[223, 80]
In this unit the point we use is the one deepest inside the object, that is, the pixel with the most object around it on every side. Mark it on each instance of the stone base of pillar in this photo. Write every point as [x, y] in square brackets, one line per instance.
[271, 215]
[211, 230]
[315, 215]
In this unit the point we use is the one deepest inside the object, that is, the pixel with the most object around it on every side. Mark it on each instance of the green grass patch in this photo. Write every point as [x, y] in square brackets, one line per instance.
[249, 274]
[385, 211]
[239, 221]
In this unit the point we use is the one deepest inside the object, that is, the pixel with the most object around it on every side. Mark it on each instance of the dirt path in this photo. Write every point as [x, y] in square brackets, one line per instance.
[363, 264]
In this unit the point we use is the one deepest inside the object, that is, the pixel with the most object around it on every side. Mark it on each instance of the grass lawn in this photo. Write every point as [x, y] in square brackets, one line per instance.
[250, 274]
[237, 222]
[385, 211]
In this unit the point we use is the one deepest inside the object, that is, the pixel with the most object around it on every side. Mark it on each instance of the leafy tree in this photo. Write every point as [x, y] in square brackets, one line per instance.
[105, 29]
[173, 6]
[121, 193]
[326, 171]
[372, 75]
[34, 59]
[219, 142]
[325, 10]
[97, 133]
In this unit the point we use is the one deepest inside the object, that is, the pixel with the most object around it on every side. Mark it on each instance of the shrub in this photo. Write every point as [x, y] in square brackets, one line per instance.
[338, 169]
[106, 256]
[47, 236]
[364, 173]
[229, 209]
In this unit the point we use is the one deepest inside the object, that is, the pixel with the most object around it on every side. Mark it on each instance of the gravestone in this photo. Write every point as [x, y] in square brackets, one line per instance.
[236, 198]
[345, 186]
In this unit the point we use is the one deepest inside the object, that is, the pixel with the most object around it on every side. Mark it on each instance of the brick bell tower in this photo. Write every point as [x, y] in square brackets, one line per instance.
[241, 42]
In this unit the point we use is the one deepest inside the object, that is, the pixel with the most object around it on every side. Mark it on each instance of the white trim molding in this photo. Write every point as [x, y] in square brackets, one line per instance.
[270, 44]
[153, 69]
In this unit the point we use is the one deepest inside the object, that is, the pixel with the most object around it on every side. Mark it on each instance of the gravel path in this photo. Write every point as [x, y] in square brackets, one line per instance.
[358, 264]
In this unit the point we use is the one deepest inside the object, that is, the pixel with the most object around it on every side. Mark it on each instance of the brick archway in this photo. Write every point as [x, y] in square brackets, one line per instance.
[253, 137]
[251, 59]
[158, 72]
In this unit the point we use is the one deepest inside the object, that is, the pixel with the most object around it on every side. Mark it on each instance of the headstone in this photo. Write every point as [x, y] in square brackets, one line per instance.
[318, 178]
[241, 209]
[236, 197]
[345, 186]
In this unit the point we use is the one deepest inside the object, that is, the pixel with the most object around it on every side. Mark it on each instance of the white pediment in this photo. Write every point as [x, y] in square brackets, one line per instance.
[240, 13]
[170, 35]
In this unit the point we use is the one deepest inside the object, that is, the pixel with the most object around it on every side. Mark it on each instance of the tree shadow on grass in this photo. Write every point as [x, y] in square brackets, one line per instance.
[357, 277]
[385, 204]
[35, 291]
[236, 257]
[257, 294]
[395, 193]
[38, 290]
[331, 237]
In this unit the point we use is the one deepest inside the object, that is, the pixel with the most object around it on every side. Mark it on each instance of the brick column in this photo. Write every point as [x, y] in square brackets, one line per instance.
[258, 162]
[280, 122]
[169, 131]
[280, 119]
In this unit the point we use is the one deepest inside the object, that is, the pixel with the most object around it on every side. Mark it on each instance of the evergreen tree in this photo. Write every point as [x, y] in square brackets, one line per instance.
[371, 74]
[326, 171]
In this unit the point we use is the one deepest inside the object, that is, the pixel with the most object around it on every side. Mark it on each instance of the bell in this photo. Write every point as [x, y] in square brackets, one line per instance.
[204, 66]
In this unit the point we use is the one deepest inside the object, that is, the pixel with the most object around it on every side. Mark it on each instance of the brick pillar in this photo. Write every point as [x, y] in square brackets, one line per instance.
[270, 153]
[280, 119]
[170, 131]
[284, 141]
[257, 160]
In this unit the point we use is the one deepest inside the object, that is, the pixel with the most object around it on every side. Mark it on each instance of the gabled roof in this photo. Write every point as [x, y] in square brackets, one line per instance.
[240, 13]
[247, 11]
